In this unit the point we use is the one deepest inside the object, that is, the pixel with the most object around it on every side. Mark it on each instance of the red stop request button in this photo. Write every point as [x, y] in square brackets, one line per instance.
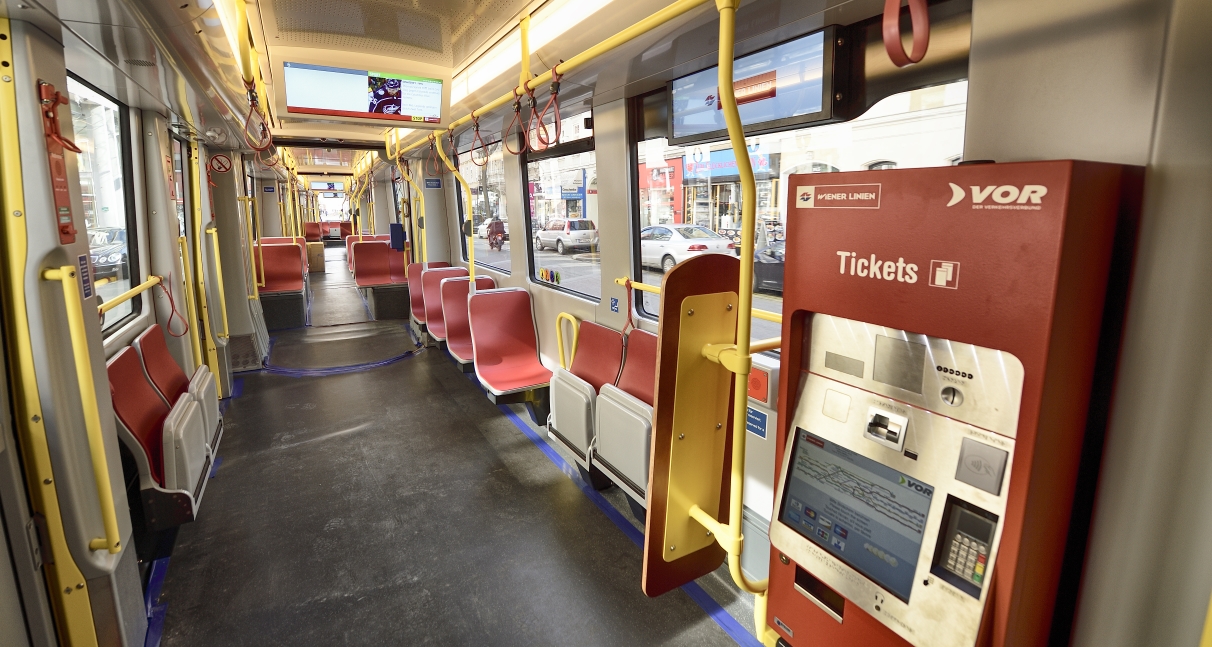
[849, 196]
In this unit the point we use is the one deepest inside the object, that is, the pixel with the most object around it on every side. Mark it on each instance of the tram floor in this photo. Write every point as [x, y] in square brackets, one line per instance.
[398, 506]
[335, 299]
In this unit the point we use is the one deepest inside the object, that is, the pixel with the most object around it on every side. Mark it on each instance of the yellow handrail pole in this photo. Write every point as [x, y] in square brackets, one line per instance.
[732, 538]
[252, 254]
[207, 335]
[191, 307]
[66, 276]
[471, 248]
[128, 295]
[71, 605]
[418, 222]
[214, 241]
[258, 204]
[647, 24]
[1206, 641]
[524, 33]
[766, 344]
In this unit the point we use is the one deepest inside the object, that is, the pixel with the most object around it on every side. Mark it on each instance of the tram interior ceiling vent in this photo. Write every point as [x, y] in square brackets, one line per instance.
[443, 32]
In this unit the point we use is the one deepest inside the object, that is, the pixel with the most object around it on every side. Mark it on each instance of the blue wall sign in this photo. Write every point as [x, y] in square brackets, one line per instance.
[614, 304]
[269, 189]
[86, 277]
[433, 183]
[755, 422]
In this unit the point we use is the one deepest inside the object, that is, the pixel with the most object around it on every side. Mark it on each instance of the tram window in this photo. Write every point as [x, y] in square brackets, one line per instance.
[101, 130]
[698, 184]
[562, 218]
[487, 185]
[179, 187]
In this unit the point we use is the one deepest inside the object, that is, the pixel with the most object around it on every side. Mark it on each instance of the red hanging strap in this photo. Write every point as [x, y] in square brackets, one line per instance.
[534, 124]
[630, 307]
[919, 13]
[476, 138]
[517, 119]
[435, 169]
[172, 307]
[553, 105]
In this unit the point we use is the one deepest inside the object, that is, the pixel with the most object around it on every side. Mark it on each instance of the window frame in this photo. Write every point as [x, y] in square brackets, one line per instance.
[574, 147]
[499, 143]
[134, 269]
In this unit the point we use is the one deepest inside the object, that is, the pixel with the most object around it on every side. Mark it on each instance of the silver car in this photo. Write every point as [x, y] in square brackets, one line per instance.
[564, 235]
[664, 246]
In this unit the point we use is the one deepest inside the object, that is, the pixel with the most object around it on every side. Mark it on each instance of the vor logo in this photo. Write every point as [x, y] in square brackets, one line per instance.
[920, 488]
[1004, 194]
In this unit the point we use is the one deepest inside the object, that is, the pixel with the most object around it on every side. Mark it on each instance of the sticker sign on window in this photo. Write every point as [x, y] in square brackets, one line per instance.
[614, 304]
[86, 277]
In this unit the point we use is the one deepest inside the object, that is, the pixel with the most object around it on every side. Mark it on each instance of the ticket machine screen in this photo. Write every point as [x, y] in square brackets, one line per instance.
[865, 513]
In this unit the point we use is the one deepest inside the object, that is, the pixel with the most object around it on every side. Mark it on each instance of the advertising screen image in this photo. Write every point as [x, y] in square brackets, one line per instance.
[328, 186]
[336, 91]
[866, 514]
[781, 82]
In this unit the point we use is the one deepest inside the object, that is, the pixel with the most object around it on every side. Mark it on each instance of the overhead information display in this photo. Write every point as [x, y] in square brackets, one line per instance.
[780, 85]
[341, 92]
[328, 186]
[864, 513]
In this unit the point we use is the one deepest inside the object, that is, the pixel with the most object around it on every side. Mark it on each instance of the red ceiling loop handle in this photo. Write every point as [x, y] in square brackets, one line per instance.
[920, 16]
[535, 125]
[553, 104]
[476, 138]
[432, 158]
[517, 119]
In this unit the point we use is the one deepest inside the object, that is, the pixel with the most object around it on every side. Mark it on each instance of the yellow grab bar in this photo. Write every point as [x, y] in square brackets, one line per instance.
[128, 295]
[214, 241]
[471, 247]
[66, 276]
[764, 345]
[191, 308]
[252, 258]
[576, 332]
[765, 315]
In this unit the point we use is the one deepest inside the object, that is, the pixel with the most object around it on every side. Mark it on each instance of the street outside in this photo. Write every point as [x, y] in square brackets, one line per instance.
[579, 271]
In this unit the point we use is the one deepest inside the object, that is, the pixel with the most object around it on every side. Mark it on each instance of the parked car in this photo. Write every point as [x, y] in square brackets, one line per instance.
[768, 267]
[482, 230]
[564, 235]
[664, 246]
[107, 250]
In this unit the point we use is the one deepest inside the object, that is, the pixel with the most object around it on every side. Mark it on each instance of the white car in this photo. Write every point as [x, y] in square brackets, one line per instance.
[565, 235]
[664, 246]
[482, 230]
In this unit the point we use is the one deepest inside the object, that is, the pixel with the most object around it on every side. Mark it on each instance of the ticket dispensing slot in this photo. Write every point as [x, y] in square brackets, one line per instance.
[911, 539]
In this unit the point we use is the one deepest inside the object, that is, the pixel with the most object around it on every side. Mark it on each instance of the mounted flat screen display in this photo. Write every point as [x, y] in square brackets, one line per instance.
[328, 186]
[341, 92]
[862, 512]
[779, 87]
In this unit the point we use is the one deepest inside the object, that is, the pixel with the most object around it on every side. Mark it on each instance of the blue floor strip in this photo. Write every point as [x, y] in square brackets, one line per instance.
[214, 467]
[151, 601]
[692, 589]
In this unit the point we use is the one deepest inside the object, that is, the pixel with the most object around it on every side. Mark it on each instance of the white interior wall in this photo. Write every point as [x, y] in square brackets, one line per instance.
[1128, 81]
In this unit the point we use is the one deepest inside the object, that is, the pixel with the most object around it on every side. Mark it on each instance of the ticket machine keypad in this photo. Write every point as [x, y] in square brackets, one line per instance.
[968, 557]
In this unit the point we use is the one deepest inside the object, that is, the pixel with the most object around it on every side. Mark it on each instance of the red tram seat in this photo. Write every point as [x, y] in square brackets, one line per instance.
[574, 392]
[624, 419]
[371, 265]
[311, 232]
[287, 240]
[284, 267]
[431, 283]
[505, 345]
[454, 293]
[171, 382]
[415, 296]
[398, 266]
[168, 445]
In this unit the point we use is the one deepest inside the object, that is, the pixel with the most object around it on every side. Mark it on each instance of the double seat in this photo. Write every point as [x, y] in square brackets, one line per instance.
[360, 238]
[381, 275]
[311, 232]
[171, 425]
[601, 407]
[283, 271]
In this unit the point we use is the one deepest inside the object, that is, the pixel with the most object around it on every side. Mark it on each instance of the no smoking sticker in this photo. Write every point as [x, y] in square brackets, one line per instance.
[220, 163]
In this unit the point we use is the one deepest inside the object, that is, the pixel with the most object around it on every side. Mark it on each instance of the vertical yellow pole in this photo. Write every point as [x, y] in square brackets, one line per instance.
[524, 32]
[207, 335]
[252, 248]
[1206, 641]
[191, 308]
[471, 250]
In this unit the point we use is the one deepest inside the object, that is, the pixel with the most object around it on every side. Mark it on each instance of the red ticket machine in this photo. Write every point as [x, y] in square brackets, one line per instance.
[939, 354]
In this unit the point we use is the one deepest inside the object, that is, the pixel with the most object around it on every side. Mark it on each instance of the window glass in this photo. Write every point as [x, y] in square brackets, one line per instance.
[571, 129]
[490, 227]
[562, 214]
[698, 184]
[100, 132]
